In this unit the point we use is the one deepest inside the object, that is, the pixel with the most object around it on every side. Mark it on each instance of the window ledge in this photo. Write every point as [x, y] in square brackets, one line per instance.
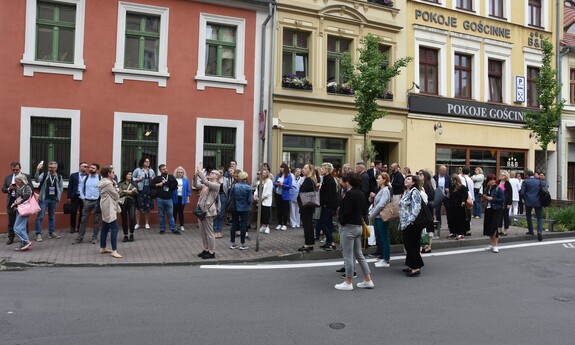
[33, 66]
[122, 74]
[222, 83]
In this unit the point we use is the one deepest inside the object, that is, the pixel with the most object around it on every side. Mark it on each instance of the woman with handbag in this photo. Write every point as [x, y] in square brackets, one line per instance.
[282, 186]
[505, 185]
[128, 191]
[110, 208]
[427, 185]
[142, 176]
[352, 213]
[457, 195]
[23, 192]
[209, 205]
[306, 211]
[267, 191]
[380, 200]
[409, 209]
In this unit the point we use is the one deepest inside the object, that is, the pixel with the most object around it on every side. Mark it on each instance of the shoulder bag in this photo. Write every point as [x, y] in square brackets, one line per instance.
[424, 218]
[544, 196]
[309, 198]
[391, 210]
[30, 206]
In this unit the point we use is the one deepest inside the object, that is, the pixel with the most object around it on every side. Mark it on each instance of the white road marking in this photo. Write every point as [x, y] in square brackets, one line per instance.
[568, 245]
[393, 258]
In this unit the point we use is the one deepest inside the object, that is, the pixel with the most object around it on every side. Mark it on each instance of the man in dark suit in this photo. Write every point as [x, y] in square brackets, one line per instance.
[75, 184]
[9, 188]
[372, 173]
[443, 181]
[530, 192]
[397, 181]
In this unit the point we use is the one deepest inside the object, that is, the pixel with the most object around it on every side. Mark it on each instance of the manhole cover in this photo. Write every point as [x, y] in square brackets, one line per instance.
[336, 325]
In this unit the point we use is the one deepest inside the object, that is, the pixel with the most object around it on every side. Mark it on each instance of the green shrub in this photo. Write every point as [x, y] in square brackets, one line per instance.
[564, 216]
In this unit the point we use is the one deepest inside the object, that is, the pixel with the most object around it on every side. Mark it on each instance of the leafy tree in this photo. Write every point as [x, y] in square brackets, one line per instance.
[544, 121]
[368, 80]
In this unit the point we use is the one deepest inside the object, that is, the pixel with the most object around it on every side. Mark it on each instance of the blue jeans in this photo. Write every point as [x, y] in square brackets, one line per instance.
[239, 221]
[326, 222]
[51, 205]
[538, 215]
[477, 204]
[20, 226]
[166, 208]
[382, 231]
[219, 219]
[113, 229]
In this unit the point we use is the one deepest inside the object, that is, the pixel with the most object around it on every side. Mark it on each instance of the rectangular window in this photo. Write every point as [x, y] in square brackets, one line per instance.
[428, 71]
[534, 13]
[50, 140]
[295, 54]
[300, 150]
[572, 86]
[462, 76]
[55, 32]
[495, 75]
[335, 48]
[220, 50]
[386, 51]
[496, 8]
[142, 42]
[139, 139]
[532, 98]
[219, 146]
[464, 5]
[491, 160]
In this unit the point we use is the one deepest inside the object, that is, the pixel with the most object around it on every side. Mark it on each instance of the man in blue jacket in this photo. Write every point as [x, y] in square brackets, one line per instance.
[530, 192]
[75, 185]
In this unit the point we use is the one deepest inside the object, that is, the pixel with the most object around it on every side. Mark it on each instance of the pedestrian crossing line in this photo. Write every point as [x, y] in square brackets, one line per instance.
[393, 258]
[568, 245]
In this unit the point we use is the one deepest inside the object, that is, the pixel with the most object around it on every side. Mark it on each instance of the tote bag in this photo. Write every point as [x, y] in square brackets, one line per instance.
[309, 198]
[30, 206]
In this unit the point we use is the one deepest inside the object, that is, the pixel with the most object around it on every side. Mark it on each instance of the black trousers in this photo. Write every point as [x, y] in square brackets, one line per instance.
[306, 214]
[77, 205]
[282, 209]
[411, 238]
[179, 211]
[11, 218]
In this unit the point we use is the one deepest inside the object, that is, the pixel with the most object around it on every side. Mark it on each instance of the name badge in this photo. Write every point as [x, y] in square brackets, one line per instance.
[166, 188]
[146, 182]
[51, 190]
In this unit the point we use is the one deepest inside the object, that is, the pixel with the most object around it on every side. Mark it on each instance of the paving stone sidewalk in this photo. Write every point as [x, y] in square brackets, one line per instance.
[151, 248]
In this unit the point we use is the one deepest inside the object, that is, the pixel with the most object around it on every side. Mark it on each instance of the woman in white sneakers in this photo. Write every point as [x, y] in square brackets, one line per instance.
[267, 192]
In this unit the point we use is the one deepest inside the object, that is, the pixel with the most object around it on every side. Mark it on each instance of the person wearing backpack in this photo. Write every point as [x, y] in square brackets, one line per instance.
[51, 187]
[530, 193]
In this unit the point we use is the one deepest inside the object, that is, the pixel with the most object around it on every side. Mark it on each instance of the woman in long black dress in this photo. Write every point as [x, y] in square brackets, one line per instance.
[495, 199]
[306, 212]
[457, 196]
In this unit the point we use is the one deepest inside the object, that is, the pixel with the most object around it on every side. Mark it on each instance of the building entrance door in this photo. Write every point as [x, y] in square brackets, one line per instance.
[571, 181]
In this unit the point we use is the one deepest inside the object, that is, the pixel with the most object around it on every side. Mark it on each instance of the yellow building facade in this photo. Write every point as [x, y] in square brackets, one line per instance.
[474, 63]
[313, 108]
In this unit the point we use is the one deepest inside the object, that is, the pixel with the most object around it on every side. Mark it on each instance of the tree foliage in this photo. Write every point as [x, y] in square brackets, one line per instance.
[368, 80]
[544, 121]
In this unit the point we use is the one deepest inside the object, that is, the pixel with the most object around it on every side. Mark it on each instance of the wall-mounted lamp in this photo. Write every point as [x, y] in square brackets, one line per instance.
[276, 124]
[413, 85]
[438, 128]
[148, 133]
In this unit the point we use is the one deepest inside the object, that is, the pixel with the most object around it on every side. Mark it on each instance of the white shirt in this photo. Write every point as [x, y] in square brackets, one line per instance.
[466, 181]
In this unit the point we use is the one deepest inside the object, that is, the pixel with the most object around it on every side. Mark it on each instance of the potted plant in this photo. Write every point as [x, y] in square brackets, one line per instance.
[387, 94]
[332, 87]
[292, 81]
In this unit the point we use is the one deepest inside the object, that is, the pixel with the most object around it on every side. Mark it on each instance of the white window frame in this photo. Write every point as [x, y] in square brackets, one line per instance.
[468, 45]
[160, 120]
[31, 65]
[474, 5]
[26, 114]
[440, 3]
[497, 50]
[237, 124]
[121, 73]
[239, 82]
[436, 39]
[544, 14]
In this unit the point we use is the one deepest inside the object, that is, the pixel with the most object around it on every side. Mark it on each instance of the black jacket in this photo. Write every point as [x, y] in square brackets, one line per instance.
[352, 208]
[397, 183]
[172, 185]
[328, 193]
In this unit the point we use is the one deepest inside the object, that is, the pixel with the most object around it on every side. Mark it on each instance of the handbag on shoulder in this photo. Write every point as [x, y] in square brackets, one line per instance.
[30, 206]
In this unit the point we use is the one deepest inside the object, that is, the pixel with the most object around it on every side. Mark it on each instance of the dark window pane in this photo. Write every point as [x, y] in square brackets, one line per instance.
[332, 143]
[297, 141]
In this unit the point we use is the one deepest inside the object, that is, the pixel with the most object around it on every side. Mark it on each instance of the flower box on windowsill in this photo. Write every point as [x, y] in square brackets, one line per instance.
[387, 95]
[340, 89]
[387, 3]
[291, 81]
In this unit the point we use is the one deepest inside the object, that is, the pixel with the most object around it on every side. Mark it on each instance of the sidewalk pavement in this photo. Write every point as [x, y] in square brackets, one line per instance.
[151, 248]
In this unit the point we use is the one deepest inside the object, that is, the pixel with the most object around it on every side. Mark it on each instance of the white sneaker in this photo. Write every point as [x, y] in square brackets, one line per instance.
[283, 228]
[366, 284]
[488, 248]
[262, 229]
[38, 238]
[137, 226]
[495, 250]
[381, 263]
[344, 286]
[147, 226]
[267, 230]
[278, 227]
[182, 228]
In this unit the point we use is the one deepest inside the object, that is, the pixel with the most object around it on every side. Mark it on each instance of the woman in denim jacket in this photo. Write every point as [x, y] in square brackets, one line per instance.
[494, 197]
[242, 194]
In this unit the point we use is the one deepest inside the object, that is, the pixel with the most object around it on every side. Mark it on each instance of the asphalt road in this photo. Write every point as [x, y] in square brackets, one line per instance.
[518, 296]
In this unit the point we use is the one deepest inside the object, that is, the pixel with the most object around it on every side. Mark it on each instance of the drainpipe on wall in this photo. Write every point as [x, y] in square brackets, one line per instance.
[271, 14]
[271, 86]
[560, 143]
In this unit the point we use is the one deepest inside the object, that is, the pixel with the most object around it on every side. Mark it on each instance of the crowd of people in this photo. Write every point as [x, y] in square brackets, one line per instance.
[309, 197]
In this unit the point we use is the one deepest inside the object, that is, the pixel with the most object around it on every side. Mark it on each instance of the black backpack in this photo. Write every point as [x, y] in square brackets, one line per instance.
[544, 196]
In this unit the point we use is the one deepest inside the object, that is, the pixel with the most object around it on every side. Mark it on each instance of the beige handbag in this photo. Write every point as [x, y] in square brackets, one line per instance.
[390, 211]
